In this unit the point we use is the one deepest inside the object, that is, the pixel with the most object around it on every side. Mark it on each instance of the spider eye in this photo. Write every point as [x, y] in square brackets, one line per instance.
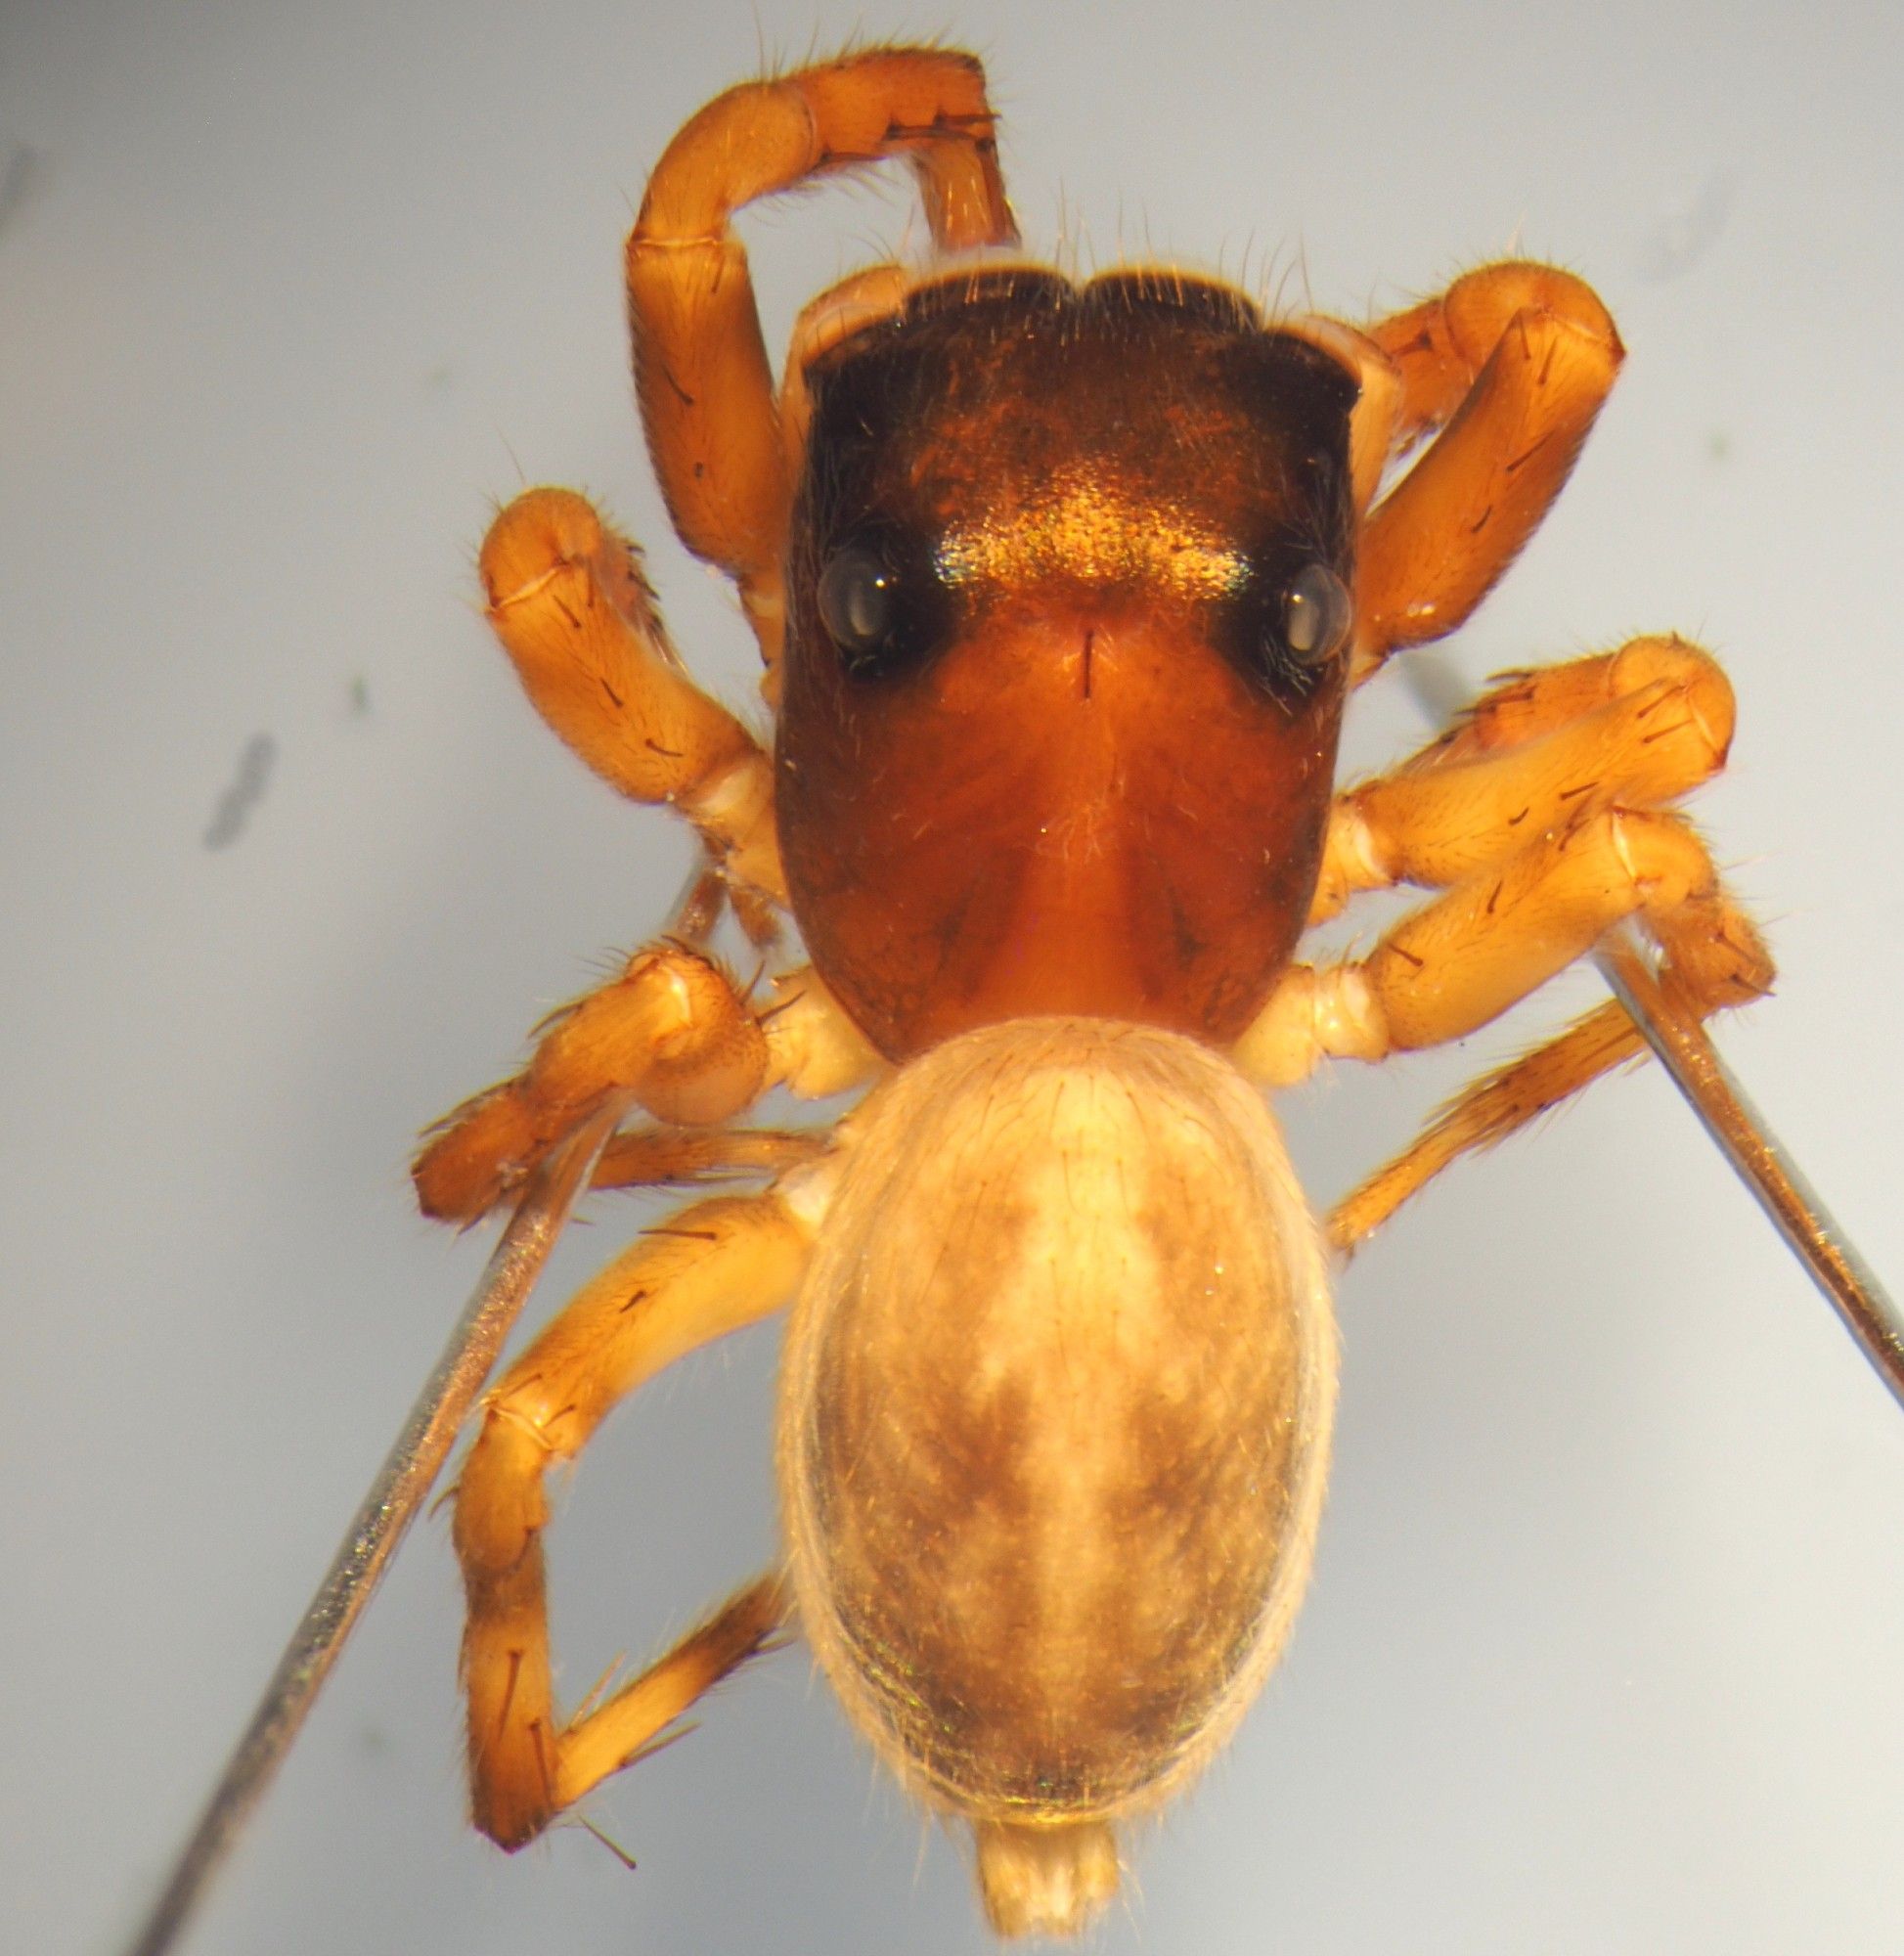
[1289, 620]
[1316, 615]
[882, 604]
[858, 605]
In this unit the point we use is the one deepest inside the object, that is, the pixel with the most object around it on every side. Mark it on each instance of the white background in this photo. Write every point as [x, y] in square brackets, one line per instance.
[1602, 1648]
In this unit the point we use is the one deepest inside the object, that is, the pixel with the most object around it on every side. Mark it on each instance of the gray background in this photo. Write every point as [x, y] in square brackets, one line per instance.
[1601, 1651]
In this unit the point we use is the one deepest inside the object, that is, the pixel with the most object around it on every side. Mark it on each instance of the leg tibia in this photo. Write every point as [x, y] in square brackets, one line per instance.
[715, 1267]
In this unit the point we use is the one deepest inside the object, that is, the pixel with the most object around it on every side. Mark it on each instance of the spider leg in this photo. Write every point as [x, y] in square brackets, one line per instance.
[1639, 728]
[700, 364]
[1712, 959]
[1513, 364]
[655, 1157]
[567, 599]
[1450, 967]
[1539, 815]
[674, 1030]
[712, 1269]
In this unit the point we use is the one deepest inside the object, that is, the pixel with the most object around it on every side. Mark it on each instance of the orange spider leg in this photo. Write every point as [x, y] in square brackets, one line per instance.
[1516, 360]
[672, 1031]
[655, 1157]
[567, 599]
[1440, 346]
[700, 364]
[714, 1267]
[1572, 757]
[1712, 959]
[676, 1034]
[1638, 728]
[1524, 706]
[1450, 967]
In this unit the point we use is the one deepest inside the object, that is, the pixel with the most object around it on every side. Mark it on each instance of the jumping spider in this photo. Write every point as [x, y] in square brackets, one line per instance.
[1061, 590]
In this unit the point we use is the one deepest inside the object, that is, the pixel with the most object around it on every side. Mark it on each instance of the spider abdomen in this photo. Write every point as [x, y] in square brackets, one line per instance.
[1055, 1418]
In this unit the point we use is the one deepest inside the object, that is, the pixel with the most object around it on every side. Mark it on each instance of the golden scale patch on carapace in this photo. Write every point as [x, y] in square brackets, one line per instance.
[1091, 531]
[1084, 501]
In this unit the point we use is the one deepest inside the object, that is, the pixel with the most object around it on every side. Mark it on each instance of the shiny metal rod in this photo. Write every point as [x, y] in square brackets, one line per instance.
[396, 1496]
[1683, 1048]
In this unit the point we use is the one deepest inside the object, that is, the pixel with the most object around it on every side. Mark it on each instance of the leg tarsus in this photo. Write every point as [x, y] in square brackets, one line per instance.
[641, 1716]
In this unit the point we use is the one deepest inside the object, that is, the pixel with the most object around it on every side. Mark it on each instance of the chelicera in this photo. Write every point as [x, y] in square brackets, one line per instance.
[1061, 590]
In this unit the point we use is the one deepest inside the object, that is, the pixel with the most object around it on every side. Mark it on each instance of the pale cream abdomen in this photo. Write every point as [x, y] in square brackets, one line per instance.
[1053, 1427]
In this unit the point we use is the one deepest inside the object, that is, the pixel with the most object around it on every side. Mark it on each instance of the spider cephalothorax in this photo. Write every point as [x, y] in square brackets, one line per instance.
[1073, 532]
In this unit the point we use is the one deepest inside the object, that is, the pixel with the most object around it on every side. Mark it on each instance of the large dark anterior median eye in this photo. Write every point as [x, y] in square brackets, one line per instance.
[1316, 615]
[858, 605]
[882, 604]
[1288, 622]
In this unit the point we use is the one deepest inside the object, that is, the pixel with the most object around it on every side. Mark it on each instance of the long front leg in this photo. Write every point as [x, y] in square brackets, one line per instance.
[700, 364]
[1513, 363]
[712, 1269]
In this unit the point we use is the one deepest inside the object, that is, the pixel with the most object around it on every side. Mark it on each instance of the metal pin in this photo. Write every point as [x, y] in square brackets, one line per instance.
[396, 1496]
[1692, 1061]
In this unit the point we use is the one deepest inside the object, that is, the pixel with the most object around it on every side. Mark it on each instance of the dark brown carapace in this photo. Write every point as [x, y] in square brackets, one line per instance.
[1085, 510]
[1060, 592]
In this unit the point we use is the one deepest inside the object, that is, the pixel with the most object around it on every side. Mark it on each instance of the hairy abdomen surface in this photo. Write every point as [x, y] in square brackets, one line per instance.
[1055, 1417]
